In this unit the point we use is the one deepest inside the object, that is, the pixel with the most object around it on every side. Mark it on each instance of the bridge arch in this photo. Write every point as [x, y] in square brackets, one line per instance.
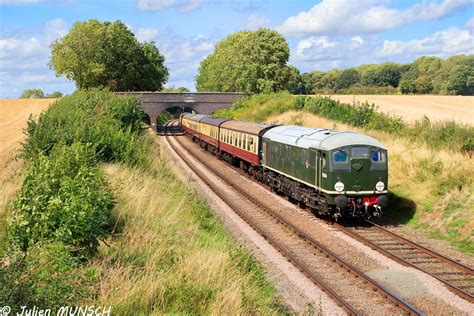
[153, 103]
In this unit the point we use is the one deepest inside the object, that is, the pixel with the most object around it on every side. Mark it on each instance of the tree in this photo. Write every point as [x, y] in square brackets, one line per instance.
[386, 74]
[55, 94]
[32, 93]
[247, 61]
[174, 89]
[461, 80]
[97, 54]
[348, 78]
[295, 83]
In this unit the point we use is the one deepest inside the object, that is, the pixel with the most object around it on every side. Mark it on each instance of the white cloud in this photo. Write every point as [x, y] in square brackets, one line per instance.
[255, 21]
[55, 29]
[146, 34]
[342, 17]
[470, 25]
[24, 62]
[324, 53]
[449, 42]
[182, 54]
[158, 5]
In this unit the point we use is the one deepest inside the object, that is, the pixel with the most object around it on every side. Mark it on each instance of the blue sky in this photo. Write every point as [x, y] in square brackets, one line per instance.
[322, 35]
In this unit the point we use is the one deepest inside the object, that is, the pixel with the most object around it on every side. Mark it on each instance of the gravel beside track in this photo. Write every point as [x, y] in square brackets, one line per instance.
[457, 277]
[416, 287]
[317, 263]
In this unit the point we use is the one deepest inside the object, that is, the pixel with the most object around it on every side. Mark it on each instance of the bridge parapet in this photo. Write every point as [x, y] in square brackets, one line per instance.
[153, 103]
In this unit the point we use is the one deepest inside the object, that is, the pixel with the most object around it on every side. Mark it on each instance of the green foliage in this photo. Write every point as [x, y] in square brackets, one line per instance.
[425, 75]
[63, 197]
[55, 94]
[174, 89]
[358, 114]
[95, 54]
[32, 93]
[247, 61]
[447, 134]
[112, 123]
[348, 78]
[386, 74]
[438, 135]
[46, 277]
[461, 80]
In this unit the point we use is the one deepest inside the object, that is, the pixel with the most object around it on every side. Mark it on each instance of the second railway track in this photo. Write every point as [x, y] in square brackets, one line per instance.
[350, 288]
[455, 276]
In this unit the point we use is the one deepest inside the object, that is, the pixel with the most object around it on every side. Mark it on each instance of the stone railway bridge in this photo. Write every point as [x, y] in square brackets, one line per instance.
[153, 103]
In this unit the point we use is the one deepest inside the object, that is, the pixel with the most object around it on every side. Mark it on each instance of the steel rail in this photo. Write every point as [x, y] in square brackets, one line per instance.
[397, 301]
[468, 296]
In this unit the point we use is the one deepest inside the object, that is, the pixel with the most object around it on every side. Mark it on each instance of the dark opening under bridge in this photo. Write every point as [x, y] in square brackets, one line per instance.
[153, 103]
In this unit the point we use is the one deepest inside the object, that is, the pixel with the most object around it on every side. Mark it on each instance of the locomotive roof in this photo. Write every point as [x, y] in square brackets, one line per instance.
[325, 139]
[245, 127]
[215, 121]
[194, 117]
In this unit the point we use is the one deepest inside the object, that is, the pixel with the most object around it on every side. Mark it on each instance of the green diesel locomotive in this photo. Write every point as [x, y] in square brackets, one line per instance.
[336, 173]
[341, 174]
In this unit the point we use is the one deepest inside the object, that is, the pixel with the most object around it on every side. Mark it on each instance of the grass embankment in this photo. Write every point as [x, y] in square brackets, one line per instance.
[430, 169]
[99, 219]
[173, 255]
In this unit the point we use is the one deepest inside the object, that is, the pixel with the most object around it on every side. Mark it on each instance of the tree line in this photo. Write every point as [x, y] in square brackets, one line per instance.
[108, 54]
[256, 61]
[426, 75]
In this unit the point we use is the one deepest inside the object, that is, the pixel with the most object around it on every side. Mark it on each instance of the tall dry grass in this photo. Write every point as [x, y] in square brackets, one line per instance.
[171, 255]
[439, 182]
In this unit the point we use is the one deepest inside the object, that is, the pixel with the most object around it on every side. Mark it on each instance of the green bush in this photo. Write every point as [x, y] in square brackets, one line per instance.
[45, 277]
[359, 114]
[63, 197]
[447, 134]
[112, 123]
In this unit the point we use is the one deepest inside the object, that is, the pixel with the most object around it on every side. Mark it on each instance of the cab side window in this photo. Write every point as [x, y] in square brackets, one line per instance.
[340, 160]
[378, 159]
[340, 156]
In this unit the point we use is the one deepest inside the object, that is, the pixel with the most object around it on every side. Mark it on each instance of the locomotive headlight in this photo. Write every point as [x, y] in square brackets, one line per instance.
[339, 186]
[380, 186]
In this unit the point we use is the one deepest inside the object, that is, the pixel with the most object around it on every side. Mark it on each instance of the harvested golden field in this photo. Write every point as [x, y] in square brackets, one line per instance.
[413, 107]
[13, 118]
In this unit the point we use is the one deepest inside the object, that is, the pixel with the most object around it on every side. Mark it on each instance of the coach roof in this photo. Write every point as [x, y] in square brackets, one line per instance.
[245, 127]
[324, 139]
[215, 121]
[194, 117]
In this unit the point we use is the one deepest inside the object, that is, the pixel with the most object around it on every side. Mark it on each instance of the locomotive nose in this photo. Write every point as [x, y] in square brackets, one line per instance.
[357, 165]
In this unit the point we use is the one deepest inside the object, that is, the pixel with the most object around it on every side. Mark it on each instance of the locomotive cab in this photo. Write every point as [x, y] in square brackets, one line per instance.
[359, 178]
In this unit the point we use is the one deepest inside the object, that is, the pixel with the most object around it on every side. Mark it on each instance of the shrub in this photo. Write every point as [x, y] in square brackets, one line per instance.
[112, 123]
[63, 197]
[359, 114]
[45, 277]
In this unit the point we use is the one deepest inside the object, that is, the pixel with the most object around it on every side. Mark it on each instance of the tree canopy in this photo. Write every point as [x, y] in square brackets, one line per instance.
[426, 74]
[32, 93]
[108, 54]
[247, 61]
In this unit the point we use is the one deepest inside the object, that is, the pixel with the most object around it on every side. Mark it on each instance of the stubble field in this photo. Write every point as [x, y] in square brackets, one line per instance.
[413, 107]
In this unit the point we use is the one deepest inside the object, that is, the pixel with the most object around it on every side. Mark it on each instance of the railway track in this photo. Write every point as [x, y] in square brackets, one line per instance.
[455, 276]
[354, 291]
